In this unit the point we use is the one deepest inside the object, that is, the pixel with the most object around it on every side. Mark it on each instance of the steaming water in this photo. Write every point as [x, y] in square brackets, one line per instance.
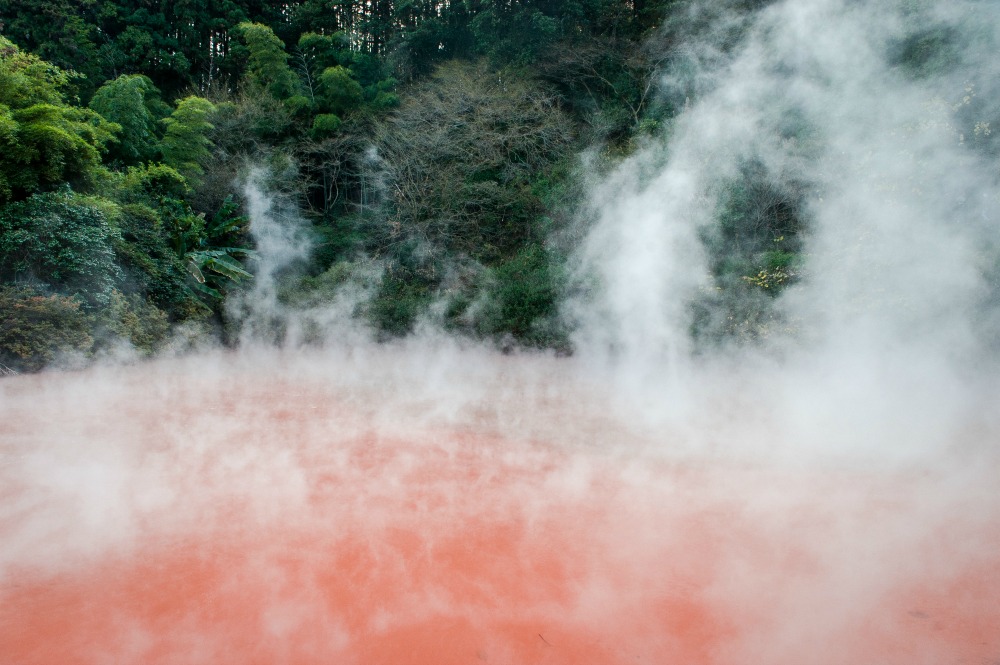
[826, 497]
[369, 506]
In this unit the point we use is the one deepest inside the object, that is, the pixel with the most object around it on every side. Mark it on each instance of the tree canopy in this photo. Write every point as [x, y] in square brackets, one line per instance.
[44, 140]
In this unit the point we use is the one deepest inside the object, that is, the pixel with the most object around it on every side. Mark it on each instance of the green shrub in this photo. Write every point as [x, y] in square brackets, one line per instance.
[395, 307]
[61, 240]
[151, 264]
[36, 329]
[132, 318]
[325, 124]
[523, 299]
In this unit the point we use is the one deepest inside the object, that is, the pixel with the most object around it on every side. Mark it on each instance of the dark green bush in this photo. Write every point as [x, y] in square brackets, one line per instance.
[395, 307]
[523, 299]
[151, 264]
[325, 124]
[61, 240]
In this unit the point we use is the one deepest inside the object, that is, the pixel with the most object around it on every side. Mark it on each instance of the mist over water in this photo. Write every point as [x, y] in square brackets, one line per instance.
[820, 489]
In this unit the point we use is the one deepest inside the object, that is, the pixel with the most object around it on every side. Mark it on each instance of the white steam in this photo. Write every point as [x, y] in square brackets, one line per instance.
[896, 307]
[264, 314]
[280, 238]
[899, 203]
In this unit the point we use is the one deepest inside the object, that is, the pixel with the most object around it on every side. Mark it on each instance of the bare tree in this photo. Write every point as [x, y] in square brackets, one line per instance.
[457, 158]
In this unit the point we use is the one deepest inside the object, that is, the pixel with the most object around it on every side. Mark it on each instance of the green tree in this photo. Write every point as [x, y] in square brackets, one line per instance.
[211, 249]
[429, 35]
[150, 38]
[153, 268]
[44, 141]
[185, 145]
[267, 65]
[322, 16]
[63, 32]
[151, 199]
[26, 79]
[171, 252]
[325, 125]
[315, 53]
[339, 92]
[132, 102]
[513, 33]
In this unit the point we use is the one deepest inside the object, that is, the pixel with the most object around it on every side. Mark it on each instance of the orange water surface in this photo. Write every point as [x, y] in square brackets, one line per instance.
[285, 523]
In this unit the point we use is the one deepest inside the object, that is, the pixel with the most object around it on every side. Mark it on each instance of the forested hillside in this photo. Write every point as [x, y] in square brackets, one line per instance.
[436, 141]
[432, 148]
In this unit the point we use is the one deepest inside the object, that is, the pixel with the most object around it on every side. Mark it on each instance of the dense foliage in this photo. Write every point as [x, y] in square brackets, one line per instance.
[431, 137]
[429, 146]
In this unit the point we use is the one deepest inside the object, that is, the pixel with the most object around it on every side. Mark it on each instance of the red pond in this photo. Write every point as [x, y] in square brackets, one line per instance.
[250, 516]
